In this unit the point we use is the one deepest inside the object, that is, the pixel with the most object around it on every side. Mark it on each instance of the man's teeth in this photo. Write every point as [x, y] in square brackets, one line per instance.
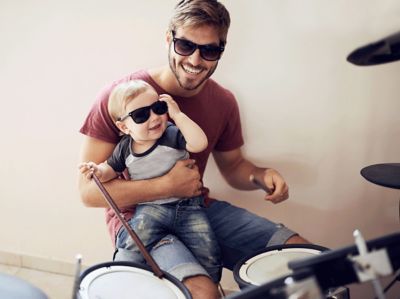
[191, 70]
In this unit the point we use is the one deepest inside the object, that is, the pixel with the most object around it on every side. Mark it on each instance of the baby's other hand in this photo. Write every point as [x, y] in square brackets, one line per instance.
[88, 169]
[173, 108]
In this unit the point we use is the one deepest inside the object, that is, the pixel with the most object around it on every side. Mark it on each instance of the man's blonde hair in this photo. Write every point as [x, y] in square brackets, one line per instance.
[123, 94]
[196, 13]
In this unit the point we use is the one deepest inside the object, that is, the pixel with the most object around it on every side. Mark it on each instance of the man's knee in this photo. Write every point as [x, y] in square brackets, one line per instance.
[201, 287]
[297, 239]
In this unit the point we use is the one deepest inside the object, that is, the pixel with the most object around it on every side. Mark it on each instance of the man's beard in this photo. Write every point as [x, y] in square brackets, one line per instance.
[188, 84]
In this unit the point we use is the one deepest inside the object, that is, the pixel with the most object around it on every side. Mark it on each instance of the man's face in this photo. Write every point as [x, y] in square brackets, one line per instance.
[193, 70]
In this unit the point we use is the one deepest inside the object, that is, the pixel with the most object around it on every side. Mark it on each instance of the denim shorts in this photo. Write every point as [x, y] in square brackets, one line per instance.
[238, 231]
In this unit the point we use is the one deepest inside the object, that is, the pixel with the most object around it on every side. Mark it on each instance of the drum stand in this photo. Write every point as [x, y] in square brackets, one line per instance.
[379, 52]
[78, 266]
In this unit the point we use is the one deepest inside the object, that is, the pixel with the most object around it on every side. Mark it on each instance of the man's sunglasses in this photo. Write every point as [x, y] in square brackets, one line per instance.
[185, 47]
[142, 114]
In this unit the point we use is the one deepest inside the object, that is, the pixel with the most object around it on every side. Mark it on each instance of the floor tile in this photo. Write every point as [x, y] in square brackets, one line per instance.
[11, 270]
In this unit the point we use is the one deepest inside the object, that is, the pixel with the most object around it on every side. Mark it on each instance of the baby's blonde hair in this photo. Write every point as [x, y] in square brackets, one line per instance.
[123, 94]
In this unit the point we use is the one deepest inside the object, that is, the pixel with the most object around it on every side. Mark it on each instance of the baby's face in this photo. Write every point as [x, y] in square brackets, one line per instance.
[146, 104]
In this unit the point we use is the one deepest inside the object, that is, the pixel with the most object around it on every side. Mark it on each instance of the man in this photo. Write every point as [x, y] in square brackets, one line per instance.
[196, 39]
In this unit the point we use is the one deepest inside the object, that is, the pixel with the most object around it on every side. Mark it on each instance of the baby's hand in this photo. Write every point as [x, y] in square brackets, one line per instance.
[88, 169]
[173, 108]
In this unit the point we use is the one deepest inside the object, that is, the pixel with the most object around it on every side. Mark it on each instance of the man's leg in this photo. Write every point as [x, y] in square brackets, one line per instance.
[173, 257]
[202, 287]
[241, 233]
[296, 239]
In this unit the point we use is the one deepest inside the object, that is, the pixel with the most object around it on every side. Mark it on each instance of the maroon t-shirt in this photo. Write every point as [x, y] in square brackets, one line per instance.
[214, 109]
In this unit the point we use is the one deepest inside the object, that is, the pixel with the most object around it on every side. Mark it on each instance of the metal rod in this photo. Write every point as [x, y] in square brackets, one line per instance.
[156, 269]
[76, 278]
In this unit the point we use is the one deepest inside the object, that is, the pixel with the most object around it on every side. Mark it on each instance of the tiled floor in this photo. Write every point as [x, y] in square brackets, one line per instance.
[55, 286]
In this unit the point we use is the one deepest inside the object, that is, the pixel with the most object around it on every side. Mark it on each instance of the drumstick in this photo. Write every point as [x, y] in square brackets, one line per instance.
[259, 184]
[156, 269]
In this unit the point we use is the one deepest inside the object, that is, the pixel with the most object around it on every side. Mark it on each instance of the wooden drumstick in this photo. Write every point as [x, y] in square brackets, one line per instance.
[149, 259]
[260, 185]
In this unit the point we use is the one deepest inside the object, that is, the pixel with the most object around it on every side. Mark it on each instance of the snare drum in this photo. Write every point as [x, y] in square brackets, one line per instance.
[125, 280]
[271, 263]
[269, 267]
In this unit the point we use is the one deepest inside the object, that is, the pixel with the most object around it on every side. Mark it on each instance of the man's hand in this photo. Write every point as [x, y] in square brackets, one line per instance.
[184, 179]
[276, 183]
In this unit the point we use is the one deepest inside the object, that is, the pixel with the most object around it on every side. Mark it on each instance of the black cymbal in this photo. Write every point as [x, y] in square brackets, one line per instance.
[387, 174]
[383, 51]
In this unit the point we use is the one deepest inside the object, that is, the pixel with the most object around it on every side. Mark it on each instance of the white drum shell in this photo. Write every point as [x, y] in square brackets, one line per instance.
[125, 282]
[273, 264]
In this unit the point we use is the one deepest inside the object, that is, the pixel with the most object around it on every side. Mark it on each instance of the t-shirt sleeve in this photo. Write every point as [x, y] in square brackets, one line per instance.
[231, 136]
[119, 155]
[173, 137]
[98, 124]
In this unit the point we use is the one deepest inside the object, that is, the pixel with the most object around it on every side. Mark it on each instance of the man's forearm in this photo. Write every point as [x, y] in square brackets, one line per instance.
[125, 193]
[239, 176]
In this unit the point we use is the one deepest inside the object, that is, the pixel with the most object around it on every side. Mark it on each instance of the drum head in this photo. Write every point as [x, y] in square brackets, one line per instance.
[125, 280]
[269, 264]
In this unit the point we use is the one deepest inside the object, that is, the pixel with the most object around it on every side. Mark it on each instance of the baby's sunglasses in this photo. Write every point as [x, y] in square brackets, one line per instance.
[142, 114]
[185, 47]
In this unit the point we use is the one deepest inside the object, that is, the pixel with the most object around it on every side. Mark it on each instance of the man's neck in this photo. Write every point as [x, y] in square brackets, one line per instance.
[167, 81]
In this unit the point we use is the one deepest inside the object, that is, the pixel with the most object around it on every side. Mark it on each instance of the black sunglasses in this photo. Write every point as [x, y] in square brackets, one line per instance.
[185, 47]
[142, 114]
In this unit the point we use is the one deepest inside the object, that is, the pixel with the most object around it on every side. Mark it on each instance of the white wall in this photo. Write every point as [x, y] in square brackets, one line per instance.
[305, 111]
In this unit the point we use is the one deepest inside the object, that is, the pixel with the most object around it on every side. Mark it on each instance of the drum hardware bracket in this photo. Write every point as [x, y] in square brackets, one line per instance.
[306, 288]
[370, 265]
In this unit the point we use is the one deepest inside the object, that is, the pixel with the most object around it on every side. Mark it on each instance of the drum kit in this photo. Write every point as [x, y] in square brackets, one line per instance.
[301, 271]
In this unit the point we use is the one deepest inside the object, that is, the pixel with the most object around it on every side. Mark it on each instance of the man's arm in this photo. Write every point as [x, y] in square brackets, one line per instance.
[181, 181]
[237, 170]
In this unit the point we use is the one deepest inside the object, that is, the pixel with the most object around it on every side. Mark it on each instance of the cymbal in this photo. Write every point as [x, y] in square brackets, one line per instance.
[386, 174]
[383, 51]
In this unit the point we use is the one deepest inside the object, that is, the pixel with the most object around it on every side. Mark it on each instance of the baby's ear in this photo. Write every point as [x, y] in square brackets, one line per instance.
[122, 127]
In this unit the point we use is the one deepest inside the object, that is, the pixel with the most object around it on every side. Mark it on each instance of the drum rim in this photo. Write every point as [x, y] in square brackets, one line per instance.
[167, 276]
[240, 263]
